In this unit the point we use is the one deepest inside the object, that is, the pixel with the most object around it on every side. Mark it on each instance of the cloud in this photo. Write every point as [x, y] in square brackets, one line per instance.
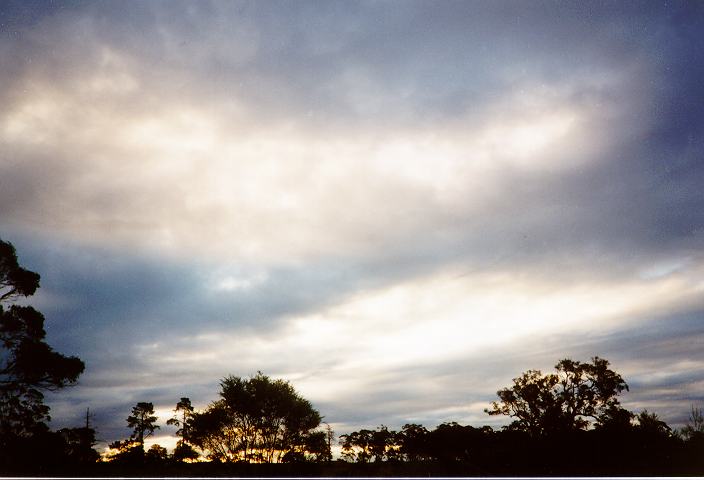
[351, 194]
[209, 154]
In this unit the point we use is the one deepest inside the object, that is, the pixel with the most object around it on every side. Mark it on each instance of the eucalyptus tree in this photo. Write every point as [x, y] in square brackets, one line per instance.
[575, 397]
[255, 419]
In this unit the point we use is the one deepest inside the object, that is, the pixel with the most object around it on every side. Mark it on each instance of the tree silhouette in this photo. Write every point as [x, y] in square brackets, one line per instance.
[413, 442]
[452, 442]
[185, 409]
[15, 281]
[694, 430]
[182, 419]
[576, 396]
[156, 455]
[317, 444]
[370, 445]
[256, 419]
[28, 365]
[356, 446]
[142, 421]
[79, 444]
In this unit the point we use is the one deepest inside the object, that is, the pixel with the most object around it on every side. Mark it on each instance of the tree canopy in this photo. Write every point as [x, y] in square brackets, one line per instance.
[28, 365]
[255, 420]
[142, 421]
[183, 415]
[28, 368]
[576, 396]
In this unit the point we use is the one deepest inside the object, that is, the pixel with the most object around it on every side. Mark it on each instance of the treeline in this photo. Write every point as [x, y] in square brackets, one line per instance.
[255, 420]
[645, 447]
[567, 422]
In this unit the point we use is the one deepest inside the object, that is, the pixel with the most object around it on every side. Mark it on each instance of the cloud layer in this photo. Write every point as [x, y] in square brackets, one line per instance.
[399, 207]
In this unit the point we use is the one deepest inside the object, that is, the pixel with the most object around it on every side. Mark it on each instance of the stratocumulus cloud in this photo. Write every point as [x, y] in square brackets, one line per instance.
[399, 207]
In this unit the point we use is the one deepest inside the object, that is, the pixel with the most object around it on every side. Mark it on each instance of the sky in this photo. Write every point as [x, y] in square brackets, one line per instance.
[397, 206]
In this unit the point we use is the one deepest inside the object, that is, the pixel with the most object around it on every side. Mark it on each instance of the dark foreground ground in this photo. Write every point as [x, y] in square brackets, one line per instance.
[581, 454]
[589, 467]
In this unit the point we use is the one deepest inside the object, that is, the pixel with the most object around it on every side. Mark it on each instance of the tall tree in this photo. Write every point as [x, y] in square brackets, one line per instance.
[182, 418]
[28, 365]
[183, 415]
[576, 396]
[142, 421]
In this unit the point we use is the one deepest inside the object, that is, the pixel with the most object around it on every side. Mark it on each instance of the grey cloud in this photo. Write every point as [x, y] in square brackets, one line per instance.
[417, 67]
[421, 60]
[383, 49]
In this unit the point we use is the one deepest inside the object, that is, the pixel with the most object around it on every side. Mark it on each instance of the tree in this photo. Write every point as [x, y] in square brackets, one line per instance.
[184, 421]
[156, 455]
[318, 444]
[256, 419]
[183, 450]
[142, 421]
[365, 445]
[694, 430]
[15, 281]
[413, 442]
[650, 424]
[693, 435]
[329, 437]
[28, 365]
[79, 444]
[356, 446]
[126, 451]
[577, 396]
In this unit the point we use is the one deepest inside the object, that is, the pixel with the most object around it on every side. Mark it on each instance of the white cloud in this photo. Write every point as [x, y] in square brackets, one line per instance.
[176, 176]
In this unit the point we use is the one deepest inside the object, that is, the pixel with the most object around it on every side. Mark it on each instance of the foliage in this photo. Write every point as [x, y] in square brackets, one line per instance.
[183, 417]
[694, 430]
[370, 445]
[413, 442]
[650, 424]
[15, 281]
[28, 365]
[156, 455]
[255, 420]
[184, 452]
[575, 397]
[79, 443]
[452, 442]
[126, 452]
[142, 421]
[184, 420]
